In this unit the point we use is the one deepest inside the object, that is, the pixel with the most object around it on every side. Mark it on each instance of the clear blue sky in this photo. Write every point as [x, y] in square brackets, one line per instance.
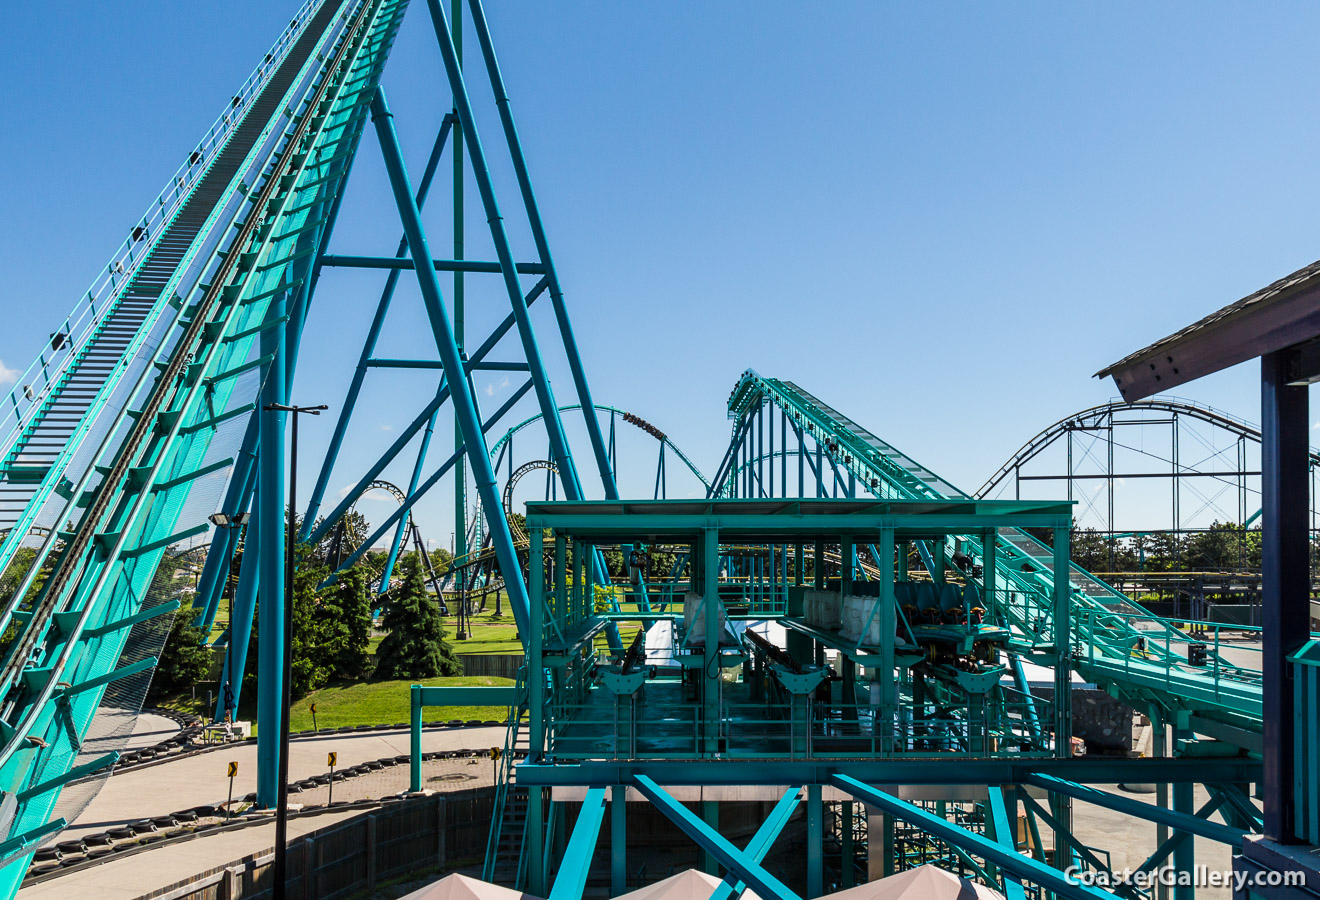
[940, 218]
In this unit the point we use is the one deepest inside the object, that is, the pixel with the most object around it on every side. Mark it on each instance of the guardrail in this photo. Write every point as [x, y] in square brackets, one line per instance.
[32, 385]
[1306, 700]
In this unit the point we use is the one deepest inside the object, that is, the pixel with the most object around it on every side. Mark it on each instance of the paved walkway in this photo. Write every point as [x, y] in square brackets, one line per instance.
[130, 877]
[200, 780]
[150, 729]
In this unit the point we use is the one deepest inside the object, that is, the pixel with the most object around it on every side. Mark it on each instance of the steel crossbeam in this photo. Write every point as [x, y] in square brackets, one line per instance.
[738, 861]
[1007, 859]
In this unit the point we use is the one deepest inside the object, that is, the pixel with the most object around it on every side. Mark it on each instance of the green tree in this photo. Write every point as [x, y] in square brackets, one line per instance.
[1225, 547]
[343, 627]
[309, 669]
[183, 659]
[308, 659]
[415, 646]
[1090, 550]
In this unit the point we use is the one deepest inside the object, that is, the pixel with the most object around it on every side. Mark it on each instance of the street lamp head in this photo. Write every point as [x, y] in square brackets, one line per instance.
[219, 520]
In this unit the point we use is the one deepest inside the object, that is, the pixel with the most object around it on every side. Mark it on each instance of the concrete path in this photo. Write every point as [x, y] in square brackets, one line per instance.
[201, 779]
[130, 877]
[150, 729]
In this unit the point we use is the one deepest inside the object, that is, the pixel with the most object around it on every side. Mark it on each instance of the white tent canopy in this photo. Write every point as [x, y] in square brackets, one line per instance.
[921, 883]
[686, 885]
[460, 887]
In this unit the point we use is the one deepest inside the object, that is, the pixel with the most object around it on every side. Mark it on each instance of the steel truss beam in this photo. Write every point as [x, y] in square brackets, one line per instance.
[741, 863]
[1007, 859]
[1078, 771]
[1151, 813]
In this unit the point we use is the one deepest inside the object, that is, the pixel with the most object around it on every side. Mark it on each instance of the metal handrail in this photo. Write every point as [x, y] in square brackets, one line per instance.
[33, 385]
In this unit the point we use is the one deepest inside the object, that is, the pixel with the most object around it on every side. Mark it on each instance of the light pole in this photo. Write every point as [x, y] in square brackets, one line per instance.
[282, 801]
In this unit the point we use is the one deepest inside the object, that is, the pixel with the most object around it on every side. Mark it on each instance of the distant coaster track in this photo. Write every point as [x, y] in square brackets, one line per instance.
[1117, 645]
[1105, 417]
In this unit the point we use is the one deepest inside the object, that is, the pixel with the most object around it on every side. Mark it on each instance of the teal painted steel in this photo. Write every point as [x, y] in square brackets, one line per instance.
[575, 865]
[759, 846]
[738, 861]
[563, 456]
[1004, 832]
[1124, 648]
[269, 503]
[1009, 860]
[460, 388]
[1182, 821]
[113, 545]
[373, 335]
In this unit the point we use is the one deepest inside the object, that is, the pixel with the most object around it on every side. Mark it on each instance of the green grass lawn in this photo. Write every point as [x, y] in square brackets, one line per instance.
[491, 635]
[384, 703]
[364, 703]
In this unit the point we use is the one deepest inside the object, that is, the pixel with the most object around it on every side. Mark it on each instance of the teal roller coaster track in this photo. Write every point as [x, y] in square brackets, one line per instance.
[149, 411]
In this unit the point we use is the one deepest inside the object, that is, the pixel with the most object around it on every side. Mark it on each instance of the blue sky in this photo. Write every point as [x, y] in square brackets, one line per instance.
[940, 218]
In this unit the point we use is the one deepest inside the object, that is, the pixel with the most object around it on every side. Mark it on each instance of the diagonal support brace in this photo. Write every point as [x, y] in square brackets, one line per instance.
[576, 864]
[729, 856]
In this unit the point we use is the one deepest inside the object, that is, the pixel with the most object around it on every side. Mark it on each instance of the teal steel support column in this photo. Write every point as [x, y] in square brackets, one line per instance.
[847, 852]
[534, 837]
[460, 302]
[270, 562]
[211, 584]
[1184, 854]
[571, 878]
[1062, 601]
[460, 392]
[759, 846]
[244, 609]
[737, 861]
[710, 814]
[710, 669]
[532, 640]
[534, 841]
[815, 842]
[618, 839]
[554, 426]
[415, 739]
[888, 613]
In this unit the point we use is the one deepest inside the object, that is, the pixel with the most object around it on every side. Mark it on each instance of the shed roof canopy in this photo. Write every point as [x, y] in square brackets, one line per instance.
[1278, 316]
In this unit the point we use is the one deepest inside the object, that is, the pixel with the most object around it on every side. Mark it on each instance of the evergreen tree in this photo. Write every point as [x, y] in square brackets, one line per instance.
[415, 646]
[309, 669]
[308, 663]
[344, 627]
[183, 659]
